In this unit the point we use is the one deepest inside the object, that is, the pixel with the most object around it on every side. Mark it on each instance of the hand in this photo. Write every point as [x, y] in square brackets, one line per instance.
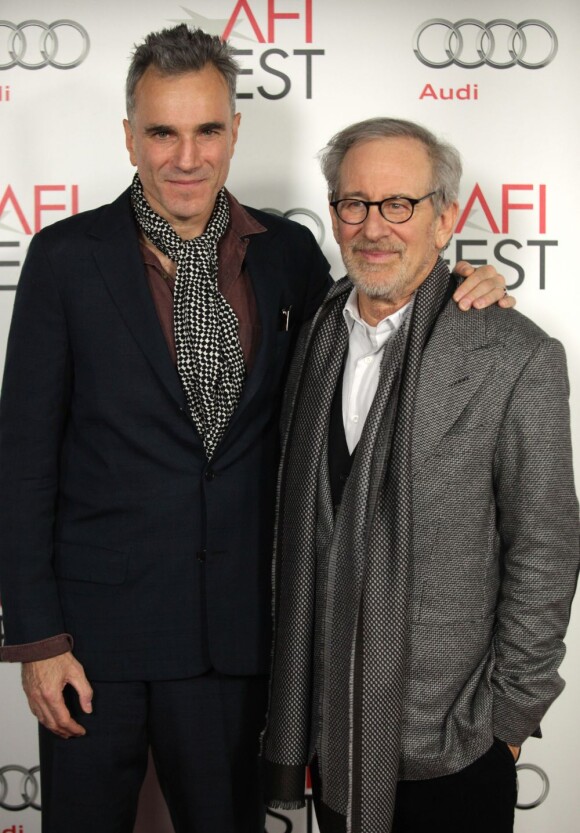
[481, 288]
[515, 750]
[43, 684]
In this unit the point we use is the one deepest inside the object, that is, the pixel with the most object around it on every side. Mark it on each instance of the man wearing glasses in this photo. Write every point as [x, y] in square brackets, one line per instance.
[427, 536]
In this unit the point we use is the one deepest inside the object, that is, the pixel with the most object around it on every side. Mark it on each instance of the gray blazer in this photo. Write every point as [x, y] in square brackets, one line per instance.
[495, 534]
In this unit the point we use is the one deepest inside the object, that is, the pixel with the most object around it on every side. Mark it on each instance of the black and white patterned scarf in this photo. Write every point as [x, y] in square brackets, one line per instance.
[210, 361]
[342, 583]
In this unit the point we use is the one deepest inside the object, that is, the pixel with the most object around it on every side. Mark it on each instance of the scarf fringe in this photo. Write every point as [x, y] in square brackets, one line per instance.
[287, 805]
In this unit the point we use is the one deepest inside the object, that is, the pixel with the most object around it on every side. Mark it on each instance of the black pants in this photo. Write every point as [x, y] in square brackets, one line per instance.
[478, 799]
[204, 735]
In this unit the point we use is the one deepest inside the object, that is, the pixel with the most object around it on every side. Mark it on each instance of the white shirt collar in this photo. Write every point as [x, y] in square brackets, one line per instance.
[389, 324]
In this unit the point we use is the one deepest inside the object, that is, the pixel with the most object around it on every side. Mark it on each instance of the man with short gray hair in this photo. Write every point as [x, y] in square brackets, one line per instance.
[427, 535]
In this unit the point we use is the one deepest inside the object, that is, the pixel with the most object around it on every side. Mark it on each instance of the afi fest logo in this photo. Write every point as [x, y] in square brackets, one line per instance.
[520, 204]
[17, 218]
[280, 71]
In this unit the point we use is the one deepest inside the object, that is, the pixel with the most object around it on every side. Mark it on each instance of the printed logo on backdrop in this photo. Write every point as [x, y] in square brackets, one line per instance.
[304, 216]
[500, 43]
[281, 71]
[512, 212]
[19, 788]
[22, 214]
[507, 224]
[532, 791]
[34, 44]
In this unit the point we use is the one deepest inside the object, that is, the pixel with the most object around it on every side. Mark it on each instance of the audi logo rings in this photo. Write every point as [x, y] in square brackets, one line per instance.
[317, 224]
[29, 788]
[46, 49]
[530, 805]
[517, 46]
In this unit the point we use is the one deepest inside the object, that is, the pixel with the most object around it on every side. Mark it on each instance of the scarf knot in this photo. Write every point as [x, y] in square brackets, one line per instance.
[210, 361]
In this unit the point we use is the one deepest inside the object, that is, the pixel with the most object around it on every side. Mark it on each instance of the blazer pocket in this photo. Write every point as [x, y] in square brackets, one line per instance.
[450, 574]
[82, 562]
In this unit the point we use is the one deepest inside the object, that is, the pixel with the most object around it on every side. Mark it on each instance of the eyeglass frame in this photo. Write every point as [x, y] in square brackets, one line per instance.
[368, 203]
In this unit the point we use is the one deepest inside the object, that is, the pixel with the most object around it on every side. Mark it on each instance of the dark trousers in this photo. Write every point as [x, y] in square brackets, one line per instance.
[479, 799]
[204, 736]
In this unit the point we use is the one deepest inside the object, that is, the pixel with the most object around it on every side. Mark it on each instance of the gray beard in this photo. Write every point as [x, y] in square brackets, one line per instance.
[392, 288]
[389, 289]
[386, 290]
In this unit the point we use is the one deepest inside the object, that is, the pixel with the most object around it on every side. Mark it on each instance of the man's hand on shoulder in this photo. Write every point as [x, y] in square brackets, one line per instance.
[44, 682]
[480, 288]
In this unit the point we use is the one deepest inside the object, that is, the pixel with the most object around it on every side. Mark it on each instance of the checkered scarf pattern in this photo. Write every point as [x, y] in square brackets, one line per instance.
[210, 361]
[342, 583]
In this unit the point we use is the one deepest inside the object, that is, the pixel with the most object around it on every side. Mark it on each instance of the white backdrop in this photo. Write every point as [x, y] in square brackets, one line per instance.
[310, 68]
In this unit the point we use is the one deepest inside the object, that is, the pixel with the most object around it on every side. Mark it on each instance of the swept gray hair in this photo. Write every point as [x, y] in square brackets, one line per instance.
[178, 50]
[445, 159]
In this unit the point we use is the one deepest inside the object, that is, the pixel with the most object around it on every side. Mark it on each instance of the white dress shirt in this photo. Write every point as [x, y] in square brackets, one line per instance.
[363, 363]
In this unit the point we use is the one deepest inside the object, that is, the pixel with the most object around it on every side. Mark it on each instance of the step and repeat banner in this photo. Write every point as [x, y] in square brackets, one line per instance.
[497, 79]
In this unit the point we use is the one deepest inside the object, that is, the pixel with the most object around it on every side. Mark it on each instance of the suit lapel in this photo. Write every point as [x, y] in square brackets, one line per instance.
[118, 259]
[455, 364]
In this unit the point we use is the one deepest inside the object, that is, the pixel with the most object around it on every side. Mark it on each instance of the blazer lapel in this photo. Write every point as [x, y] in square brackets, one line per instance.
[455, 364]
[118, 259]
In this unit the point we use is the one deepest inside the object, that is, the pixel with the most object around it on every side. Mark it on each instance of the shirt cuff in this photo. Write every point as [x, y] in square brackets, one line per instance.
[35, 651]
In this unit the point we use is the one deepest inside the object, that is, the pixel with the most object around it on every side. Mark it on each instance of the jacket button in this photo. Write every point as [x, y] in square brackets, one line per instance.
[201, 554]
[210, 474]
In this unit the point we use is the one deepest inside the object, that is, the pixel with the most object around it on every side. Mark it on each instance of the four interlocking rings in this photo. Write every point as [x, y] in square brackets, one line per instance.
[517, 43]
[29, 788]
[47, 47]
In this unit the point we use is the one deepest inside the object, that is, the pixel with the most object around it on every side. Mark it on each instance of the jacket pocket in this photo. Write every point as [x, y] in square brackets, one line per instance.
[82, 562]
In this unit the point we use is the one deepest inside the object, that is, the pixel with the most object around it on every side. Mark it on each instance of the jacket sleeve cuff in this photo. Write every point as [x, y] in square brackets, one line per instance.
[35, 651]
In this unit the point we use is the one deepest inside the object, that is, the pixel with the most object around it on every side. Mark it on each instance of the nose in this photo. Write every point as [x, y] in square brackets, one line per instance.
[187, 154]
[375, 226]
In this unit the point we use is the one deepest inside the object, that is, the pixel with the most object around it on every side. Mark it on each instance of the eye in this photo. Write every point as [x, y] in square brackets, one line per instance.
[352, 205]
[397, 207]
[211, 130]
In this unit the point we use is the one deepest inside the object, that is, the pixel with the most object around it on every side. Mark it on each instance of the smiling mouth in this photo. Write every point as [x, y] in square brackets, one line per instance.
[377, 253]
[185, 183]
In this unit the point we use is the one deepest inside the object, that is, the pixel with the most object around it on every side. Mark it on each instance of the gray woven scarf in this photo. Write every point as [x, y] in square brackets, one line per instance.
[341, 584]
[210, 361]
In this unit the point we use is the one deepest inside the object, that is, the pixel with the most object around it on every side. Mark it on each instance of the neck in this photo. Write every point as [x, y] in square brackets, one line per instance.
[375, 310]
[167, 264]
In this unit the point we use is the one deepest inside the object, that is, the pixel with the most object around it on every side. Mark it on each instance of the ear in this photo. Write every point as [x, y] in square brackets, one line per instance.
[235, 127]
[446, 225]
[130, 141]
[335, 224]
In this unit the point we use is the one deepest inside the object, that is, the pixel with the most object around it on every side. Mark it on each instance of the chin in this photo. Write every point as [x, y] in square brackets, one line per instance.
[379, 287]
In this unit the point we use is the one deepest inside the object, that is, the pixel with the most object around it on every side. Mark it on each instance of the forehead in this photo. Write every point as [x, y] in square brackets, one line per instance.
[381, 167]
[187, 94]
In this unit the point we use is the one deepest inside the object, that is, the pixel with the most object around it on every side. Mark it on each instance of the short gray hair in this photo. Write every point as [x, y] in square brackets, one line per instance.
[179, 50]
[445, 159]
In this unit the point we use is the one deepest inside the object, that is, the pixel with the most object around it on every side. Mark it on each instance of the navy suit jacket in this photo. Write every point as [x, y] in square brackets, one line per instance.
[114, 528]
